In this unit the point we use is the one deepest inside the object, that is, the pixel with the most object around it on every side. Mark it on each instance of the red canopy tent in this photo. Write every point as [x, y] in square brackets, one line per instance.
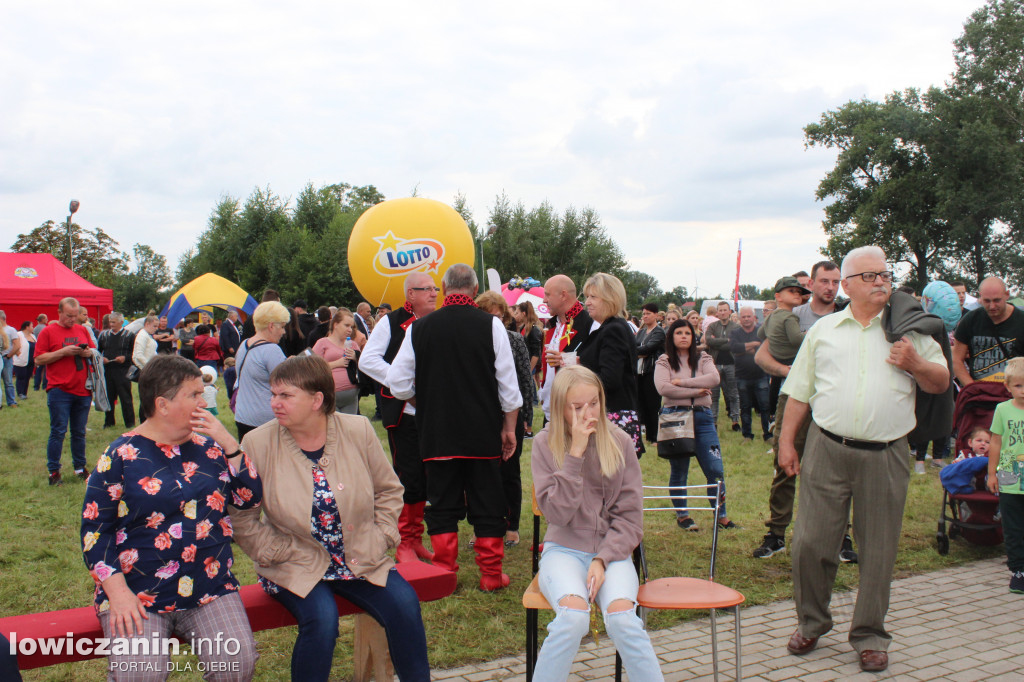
[33, 283]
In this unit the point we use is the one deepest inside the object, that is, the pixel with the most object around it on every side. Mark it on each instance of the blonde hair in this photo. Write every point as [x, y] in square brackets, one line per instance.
[493, 302]
[267, 312]
[1014, 369]
[560, 432]
[609, 290]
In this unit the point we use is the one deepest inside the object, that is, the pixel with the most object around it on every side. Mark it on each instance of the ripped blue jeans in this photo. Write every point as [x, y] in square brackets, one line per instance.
[563, 573]
[709, 457]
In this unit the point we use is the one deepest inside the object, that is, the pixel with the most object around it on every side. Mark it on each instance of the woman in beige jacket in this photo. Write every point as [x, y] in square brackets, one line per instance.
[330, 513]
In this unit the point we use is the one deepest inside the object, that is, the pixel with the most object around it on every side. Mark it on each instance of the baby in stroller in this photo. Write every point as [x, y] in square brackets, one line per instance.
[970, 510]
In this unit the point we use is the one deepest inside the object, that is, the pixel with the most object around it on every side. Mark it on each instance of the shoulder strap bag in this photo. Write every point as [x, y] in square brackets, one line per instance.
[675, 430]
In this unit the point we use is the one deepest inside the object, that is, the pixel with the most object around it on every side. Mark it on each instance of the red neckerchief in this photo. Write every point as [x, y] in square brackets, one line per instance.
[458, 299]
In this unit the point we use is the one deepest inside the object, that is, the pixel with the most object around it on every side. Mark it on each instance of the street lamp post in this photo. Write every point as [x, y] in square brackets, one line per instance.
[72, 208]
[483, 269]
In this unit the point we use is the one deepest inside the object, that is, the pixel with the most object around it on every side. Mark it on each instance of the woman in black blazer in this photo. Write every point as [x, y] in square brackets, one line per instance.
[610, 352]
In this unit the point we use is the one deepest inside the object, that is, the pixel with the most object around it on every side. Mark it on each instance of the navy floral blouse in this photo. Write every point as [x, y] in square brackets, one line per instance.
[324, 526]
[156, 513]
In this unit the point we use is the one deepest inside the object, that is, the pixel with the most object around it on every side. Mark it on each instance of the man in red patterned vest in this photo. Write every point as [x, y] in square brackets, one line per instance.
[568, 327]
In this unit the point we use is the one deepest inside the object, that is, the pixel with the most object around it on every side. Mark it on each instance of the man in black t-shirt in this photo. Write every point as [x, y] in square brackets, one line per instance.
[987, 337]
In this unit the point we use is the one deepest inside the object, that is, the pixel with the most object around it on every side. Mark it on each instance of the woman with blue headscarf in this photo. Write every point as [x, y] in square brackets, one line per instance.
[938, 298]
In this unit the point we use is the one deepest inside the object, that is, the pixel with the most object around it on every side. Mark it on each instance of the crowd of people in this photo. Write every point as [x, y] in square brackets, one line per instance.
[832, 385]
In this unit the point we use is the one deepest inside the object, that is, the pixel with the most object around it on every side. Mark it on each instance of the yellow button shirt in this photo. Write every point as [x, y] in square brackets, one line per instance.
[842, 373]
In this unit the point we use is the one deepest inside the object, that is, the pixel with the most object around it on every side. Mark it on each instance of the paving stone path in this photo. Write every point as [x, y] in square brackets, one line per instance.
[960, 624]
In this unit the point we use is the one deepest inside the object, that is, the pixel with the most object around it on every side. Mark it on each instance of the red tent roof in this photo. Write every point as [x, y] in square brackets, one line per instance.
[33, 283]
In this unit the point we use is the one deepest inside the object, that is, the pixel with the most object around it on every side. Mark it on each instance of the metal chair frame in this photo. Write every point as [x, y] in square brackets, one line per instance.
[533, 600]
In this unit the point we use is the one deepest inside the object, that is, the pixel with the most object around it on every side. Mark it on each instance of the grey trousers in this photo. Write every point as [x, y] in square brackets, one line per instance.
[875, 481]
[727, 374]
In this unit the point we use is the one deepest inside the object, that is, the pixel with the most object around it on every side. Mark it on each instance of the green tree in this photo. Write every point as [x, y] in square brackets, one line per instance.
[147, 285]
[883, 188]
[982, 145]
[540, 242]
[97, 257]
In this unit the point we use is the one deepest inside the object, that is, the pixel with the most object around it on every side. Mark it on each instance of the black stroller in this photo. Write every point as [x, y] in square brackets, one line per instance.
[972, 515]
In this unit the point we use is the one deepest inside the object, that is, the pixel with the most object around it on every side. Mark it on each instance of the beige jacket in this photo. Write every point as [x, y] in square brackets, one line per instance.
[366, 489]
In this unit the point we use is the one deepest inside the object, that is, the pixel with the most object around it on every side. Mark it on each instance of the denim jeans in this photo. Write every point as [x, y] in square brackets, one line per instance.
[709, 457]
[395, 606]
[8, 378]
[65, 409]
[563, 573]
[753, 393]
[727, 373]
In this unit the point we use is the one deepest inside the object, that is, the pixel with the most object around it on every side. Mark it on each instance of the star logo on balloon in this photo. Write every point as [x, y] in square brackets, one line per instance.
[397, 257]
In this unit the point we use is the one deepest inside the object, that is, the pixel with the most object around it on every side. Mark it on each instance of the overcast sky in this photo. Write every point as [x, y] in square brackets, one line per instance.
[680, 123]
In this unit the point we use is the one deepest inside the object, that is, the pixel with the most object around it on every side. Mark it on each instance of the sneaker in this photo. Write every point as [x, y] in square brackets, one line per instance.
[55, 478]
[938, 463]
[736, 426]
[687, 523]
[1017, 582]
[770, 546]
[82, 474]
[918, 467]
[846, 553]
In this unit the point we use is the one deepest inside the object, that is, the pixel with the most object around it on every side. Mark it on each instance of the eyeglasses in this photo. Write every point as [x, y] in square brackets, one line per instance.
[870, 276]
[434, 289]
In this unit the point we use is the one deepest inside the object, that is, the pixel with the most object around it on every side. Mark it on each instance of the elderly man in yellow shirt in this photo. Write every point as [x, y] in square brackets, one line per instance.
[861, 392]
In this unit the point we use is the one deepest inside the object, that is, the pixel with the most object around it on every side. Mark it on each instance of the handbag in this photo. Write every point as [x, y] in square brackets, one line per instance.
[132, 374]
[675, 430]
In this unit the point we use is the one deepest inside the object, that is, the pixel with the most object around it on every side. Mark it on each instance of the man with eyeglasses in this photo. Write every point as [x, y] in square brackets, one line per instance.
[399, 416]
[861, 390]
[987, 337]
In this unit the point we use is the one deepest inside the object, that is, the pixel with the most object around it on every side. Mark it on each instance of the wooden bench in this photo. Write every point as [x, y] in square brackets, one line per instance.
[265, 613]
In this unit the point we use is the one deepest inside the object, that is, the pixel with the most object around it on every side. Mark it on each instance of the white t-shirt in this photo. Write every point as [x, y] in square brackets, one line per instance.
[21, 359]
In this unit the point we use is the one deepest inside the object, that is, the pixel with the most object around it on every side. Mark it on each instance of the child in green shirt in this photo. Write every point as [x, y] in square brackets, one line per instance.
[1006, 470]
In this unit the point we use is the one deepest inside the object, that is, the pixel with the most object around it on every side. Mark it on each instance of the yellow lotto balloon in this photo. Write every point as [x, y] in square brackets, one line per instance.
[401, 236]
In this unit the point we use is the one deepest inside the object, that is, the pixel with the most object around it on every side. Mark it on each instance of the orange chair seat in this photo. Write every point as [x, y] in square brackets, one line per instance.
[686, 593]
[533, 598]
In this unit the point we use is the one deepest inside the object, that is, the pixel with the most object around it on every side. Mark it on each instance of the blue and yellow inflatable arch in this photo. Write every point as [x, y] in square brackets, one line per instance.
[205, 292]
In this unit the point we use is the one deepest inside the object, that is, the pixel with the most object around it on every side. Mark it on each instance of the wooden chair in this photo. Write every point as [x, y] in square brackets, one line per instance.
[690, 593]
[533, 599]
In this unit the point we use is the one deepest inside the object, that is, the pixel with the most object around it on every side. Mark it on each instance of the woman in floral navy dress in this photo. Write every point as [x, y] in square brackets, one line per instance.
[156, 534]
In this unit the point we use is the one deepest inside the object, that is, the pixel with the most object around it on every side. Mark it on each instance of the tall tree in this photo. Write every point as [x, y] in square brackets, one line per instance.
[573, 243]
[883, 188]
[146, 286]
[97, 257]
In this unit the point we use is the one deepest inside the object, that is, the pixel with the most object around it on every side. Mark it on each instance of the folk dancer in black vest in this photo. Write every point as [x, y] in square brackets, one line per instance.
[568, 328]
[399, 416]
[458, 365]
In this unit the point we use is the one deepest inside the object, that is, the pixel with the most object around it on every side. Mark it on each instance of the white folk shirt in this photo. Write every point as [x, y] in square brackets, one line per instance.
[842, 373]
[401, 376]
[371, 360]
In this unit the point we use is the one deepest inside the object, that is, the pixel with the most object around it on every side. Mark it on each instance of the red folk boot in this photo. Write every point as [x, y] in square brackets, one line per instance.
[416, 531]
[410, 527]
[446, 551]
[489, 554]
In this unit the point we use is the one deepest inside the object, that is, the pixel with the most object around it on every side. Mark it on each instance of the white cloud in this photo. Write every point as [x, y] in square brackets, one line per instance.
[680, 124]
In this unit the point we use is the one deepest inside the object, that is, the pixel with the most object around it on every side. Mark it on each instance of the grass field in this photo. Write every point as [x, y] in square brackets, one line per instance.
[42, 569]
